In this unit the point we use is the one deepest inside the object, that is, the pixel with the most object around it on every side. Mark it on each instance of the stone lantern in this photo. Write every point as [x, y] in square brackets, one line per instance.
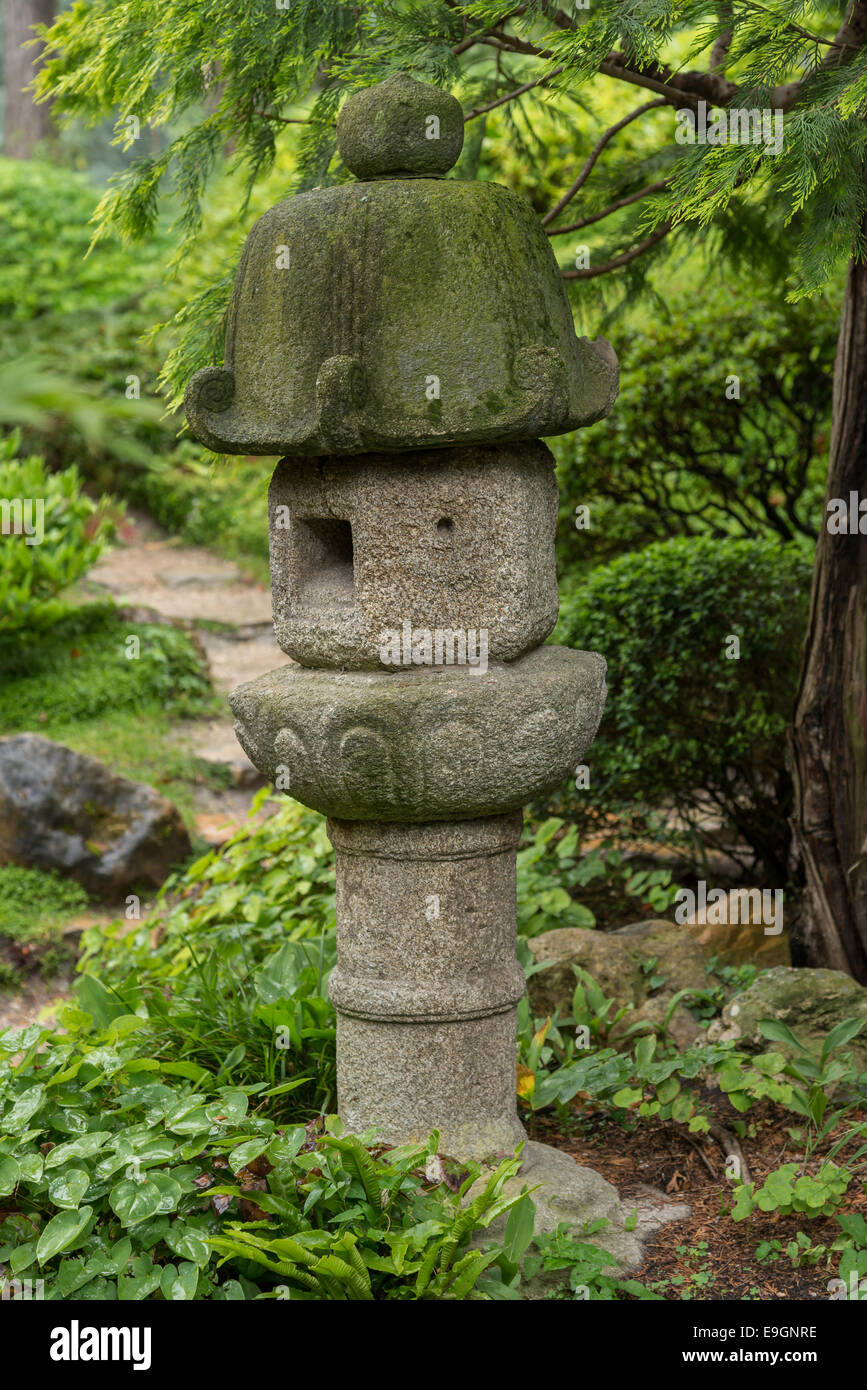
[402, 341]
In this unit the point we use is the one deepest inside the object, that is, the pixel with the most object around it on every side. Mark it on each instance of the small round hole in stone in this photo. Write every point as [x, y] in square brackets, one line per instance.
[445, 526]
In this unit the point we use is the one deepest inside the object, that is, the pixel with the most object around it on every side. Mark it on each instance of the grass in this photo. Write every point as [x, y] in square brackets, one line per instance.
[94, 660]
[34, 908]
[33, 902]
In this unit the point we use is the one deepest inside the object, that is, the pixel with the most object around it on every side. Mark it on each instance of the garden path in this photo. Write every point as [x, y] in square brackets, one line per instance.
[159, 577]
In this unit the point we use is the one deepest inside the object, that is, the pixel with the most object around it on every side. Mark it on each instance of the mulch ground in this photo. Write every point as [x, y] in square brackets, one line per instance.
[708, 1256]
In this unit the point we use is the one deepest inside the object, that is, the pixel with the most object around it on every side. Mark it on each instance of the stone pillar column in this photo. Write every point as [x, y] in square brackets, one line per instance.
[427, 982]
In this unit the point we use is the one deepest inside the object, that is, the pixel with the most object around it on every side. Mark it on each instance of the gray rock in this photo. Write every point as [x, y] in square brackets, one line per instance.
[61, 810]
[568, 1193]
[420, 745]
[810, 1002]
[454, 541]
[615, 961]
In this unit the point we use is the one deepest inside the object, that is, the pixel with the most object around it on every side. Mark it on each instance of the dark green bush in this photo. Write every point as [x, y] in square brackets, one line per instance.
[44, 236]
[677, 457]
[681, 716]
[68, 534]
[75, 322]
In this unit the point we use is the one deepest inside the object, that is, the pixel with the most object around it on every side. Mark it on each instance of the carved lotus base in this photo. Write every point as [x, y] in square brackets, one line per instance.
[424, 743]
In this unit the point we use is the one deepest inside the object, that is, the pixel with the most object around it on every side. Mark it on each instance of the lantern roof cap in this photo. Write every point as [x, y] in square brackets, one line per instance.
[401, 128]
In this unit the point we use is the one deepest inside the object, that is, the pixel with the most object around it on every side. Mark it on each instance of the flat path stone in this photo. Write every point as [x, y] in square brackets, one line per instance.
[235, 659]
[151, 572]
[150, 569]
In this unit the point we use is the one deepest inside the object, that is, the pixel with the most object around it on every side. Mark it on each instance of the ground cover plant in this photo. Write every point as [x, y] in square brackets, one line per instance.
[174, 1137]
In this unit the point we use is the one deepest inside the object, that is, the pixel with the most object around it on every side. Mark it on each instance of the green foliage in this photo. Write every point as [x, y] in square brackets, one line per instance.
[81, 669]
[262, 79]
[814, 178]
[72, 323]
[67, 530]
[853, 1260]
[155, 1146]
[678, 456]
[245, 946]
[124, 1173]
[33, 902]
[681, 715]
[586, 1264]
[545, 880]
[828, 1093]
[553, 870]
[43, 244]
[567, 1057]
[786, 1190]
[220, 505]
[363, 1227]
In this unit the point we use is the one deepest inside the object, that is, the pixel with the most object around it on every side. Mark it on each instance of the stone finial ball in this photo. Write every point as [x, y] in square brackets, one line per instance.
[400, 128]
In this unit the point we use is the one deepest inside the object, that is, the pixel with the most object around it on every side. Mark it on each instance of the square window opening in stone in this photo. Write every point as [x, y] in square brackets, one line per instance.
[324, 563]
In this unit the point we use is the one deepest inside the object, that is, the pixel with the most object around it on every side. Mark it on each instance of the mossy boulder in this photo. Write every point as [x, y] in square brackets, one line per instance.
[809, 1002]
[641, 966]
[61, 810]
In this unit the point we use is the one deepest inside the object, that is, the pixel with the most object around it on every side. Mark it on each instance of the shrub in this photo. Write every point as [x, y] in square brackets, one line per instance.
[678, 456]
[682, 717]
[67, 535]
[44, 238]
[73, 324]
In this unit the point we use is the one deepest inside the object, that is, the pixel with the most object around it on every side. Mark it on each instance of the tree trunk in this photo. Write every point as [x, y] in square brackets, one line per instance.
[828, 740]
[24, 123]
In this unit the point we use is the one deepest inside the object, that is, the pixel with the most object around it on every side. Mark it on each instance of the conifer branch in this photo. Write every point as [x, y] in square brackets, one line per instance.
[591, 272]
[603, 140]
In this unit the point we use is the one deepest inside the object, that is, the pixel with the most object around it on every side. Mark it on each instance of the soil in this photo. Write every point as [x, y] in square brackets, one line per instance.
[707, 1256]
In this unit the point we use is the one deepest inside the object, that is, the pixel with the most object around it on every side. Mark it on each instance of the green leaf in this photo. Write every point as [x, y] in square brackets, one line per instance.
[627, 1096]
[185, 1242]
[9, 1175]
[779, 1032]
[134, 1202]
[520, 1225]
[25, 1107]
[68, 1189]
[843, 1033]
[682, 1108]
[99, 1002]
[140, 1282]
[85, 1146]
[246, 1152]
[61, 1231]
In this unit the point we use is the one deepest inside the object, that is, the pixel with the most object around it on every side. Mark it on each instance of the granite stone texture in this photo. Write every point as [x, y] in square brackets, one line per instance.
[400, 128]
[427, 916]
[426, 984]
[456, 541]
[423, 744]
